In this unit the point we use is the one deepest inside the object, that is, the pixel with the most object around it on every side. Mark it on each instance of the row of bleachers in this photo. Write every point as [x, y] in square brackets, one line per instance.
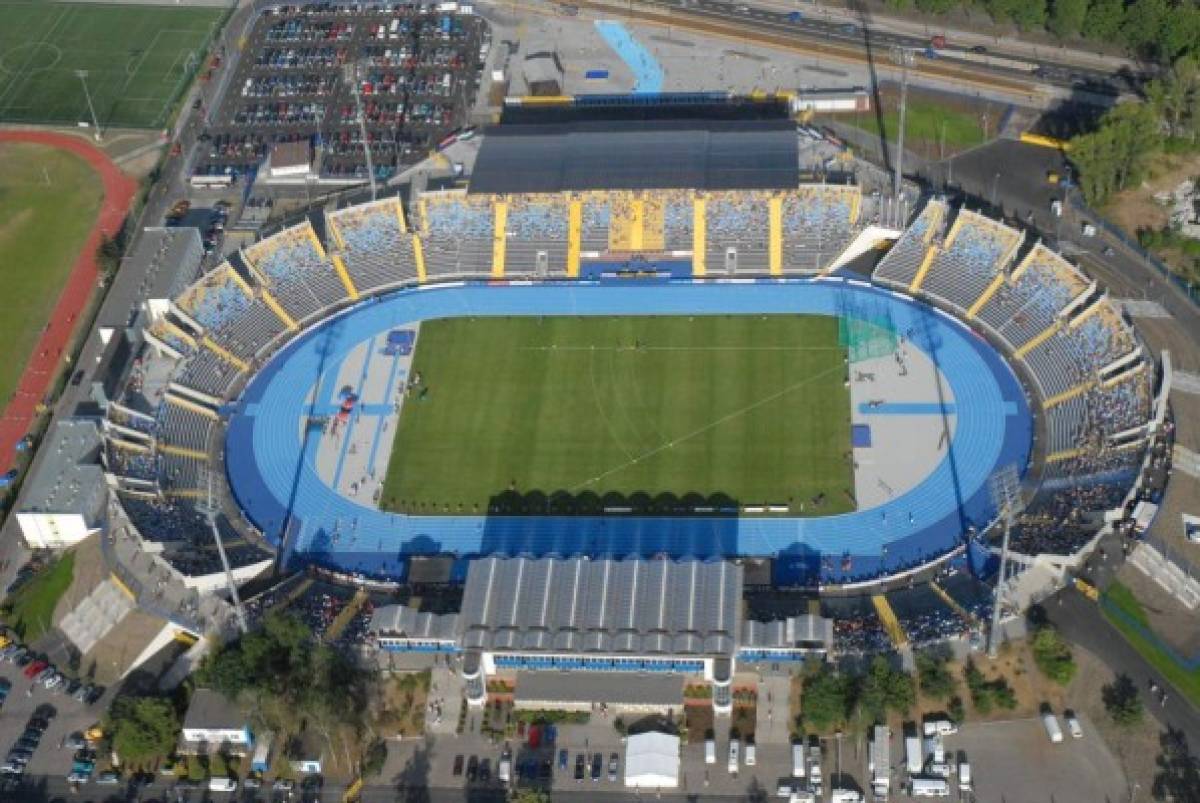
[160, 521]
[179, 426]
[737, 222]
[180, 473]
[1055, 365]
[136, 422]
[899, 266]
[968, 593]
[1065, 424]
[257, 328]
[456, 234]
[595, 220]
[924, 616]
[970, 259]
[1103, 336]
[1059, 520]
[377, 251]
[207, 373]
[161, 330]
[1123, 405]
[679, 220]
[131, 463]
[1024, 306]
[216, 300]
[297, 271]
[816, 225]
[536, 235]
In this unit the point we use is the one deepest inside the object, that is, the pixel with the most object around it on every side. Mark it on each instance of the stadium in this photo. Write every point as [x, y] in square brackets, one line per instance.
[645, 340]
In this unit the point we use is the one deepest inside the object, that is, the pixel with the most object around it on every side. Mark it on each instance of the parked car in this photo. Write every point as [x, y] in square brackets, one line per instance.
[597, 766]
[458, 765]
[1073, 725]
[34, 668]
[108, 778]
[472, 768]
[563, 755]
[614, 761]
[579, 764]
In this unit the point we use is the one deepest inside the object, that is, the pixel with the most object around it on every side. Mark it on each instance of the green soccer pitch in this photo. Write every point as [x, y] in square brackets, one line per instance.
[138, 60]
[570, 414]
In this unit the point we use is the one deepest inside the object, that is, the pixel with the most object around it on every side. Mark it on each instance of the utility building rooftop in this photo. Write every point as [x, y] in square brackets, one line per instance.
[603, 606]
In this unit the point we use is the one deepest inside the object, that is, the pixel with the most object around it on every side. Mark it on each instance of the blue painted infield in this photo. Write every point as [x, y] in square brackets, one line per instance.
[271, 467]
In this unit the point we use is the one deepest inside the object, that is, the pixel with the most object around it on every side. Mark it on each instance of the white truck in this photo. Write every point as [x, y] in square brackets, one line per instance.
[914, 758]
[1050, 722]
[798, 760]
[735, 749]
[816, 782]
[964, 775]
[710, 751]
[929, 787]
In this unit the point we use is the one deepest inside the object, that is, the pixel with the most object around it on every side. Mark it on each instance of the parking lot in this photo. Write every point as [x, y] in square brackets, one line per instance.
[416, 69]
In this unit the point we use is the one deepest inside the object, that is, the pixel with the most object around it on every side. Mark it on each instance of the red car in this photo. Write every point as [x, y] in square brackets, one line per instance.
[34, 668]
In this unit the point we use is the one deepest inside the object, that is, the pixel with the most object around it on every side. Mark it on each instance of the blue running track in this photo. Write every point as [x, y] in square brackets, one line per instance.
[270, 459]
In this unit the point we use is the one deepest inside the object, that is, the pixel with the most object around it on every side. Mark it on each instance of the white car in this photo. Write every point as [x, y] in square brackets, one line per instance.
[1073, 726]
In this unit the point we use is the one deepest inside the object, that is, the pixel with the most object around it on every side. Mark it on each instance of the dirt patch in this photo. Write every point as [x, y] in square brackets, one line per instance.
[699, 720]
[1135, 209]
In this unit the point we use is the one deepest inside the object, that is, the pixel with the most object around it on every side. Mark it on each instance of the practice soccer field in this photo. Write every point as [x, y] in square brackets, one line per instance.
[49, 200]
[594, 412]
[138, 60]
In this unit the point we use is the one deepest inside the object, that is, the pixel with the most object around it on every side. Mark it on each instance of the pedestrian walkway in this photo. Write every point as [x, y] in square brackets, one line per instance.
[647, 72]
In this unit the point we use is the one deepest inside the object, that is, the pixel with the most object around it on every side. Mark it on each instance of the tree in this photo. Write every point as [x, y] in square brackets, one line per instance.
[1122, 701]
[827, 699]
[936, 681]
[1111, 157]
[108, 254]
[956, 709]
[1067, 17]
[1145, 26]
[937, 6]
[142, 728]
[1053, 655]
[1104, 20]
[530, 796]
[884, 689]
[1176, 96]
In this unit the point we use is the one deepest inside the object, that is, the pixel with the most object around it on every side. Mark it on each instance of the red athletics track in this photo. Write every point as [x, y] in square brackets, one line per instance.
[119, 189]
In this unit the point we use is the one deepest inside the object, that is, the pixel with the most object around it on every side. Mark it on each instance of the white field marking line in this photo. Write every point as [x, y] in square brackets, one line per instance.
[22, 75]
[603, 412]
[727, 417]
[637, 390]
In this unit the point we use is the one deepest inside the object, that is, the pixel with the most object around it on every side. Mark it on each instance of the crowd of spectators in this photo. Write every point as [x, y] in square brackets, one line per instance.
[537, 218]
[217, 300]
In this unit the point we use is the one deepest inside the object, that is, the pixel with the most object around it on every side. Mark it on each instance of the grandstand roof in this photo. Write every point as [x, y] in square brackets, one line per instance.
[571, 605]
[160, 267]
[638, 155]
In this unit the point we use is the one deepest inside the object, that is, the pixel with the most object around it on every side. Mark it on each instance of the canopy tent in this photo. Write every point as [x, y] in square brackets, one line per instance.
[652, 761]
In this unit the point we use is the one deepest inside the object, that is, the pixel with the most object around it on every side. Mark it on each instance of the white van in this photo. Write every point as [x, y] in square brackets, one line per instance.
[1052, 729]
[222, 785]
[964, 775]
[735, 749]
[798, 761]
[750, 754]
[929, 787]
[710, 751]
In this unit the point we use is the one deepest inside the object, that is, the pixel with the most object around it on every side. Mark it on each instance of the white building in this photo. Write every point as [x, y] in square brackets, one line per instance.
[652, 761]
[64, 498]
[214, 722]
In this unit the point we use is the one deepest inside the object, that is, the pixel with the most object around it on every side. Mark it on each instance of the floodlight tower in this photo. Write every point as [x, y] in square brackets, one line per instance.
[1005, 489]
[352, 76]
[209, 509]
[903, 56]
[82, 75]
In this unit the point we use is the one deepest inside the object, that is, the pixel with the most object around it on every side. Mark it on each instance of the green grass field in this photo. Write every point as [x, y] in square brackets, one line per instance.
[926, 126]
[30, 610]
[1122, 598]
[599, 411]
[49, 200]
[138, 59]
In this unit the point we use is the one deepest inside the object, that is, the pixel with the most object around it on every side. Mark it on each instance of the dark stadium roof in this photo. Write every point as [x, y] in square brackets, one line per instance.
[702, 154]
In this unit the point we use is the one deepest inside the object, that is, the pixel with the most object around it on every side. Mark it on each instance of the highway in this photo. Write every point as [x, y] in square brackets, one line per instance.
[851, 41]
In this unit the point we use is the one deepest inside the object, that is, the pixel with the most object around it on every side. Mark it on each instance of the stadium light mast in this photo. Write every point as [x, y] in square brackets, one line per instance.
[1005, 489]
[82, 75]
[902, 56]
[210, 512]
[352, 78]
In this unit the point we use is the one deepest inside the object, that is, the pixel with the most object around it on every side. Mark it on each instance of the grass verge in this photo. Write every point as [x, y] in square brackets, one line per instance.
[30, 609]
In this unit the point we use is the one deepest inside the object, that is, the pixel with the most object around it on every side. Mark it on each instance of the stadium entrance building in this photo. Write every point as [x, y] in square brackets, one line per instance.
[530, 622]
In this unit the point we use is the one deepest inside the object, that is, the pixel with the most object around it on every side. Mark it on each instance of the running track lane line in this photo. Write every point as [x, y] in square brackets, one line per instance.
[19, 411]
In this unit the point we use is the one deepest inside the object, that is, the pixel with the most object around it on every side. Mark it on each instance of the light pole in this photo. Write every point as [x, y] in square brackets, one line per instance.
[82, 76]
[1005, 489]
[352, 76]
[903, 57]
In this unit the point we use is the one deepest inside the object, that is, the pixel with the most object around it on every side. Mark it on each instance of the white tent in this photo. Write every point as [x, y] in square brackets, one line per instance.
[652, 761]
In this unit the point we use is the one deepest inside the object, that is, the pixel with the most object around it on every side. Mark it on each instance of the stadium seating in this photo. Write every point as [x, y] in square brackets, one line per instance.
[377, 252]
[596, 213]
[161, 330]
[536, 235]
[216, 300]
[179, 426]
[131, 464]
[1103, 337]
[816, 225]
[207, 373]
[678, 214]
[257, 328]
[737, 230]
[974, 252]
[899, 266]
[1032, 298]
[456, 234]
[293, 266]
